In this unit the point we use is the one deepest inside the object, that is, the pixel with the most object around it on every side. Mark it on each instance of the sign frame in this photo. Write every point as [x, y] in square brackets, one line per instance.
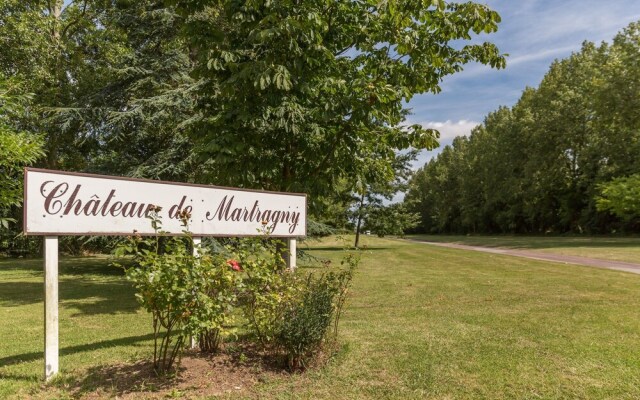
[155, 182]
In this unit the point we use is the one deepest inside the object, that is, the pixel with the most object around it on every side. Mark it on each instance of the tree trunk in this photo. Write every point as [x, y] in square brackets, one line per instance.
[55, 11]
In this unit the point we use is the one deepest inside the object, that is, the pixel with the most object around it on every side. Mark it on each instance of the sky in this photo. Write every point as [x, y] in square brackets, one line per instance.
[533, 33]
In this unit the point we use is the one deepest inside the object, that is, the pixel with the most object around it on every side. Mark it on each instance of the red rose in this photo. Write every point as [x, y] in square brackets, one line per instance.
[235, 265]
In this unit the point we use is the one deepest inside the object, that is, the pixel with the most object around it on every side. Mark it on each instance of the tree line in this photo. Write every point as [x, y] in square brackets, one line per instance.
[278, 95]
[564, 158]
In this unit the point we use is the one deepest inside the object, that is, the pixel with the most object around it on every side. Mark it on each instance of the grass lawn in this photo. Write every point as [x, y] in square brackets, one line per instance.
[607, 248]
[422, 322]
[100, 321]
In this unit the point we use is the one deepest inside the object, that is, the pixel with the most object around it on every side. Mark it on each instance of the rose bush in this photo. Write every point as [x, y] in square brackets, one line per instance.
[192, 291]
[188, 293]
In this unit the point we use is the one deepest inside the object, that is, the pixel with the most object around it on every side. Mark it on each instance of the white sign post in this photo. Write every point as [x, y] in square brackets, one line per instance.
[50, 306]
[291, 254]
[197, 242]
[64, 203]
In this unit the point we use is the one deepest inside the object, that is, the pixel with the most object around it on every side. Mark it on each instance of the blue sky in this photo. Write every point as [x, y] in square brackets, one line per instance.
[533, 33]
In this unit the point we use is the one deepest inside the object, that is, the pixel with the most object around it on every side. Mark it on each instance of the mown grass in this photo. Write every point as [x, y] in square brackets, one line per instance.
[422, 322]
[100, 321]
[604, 247]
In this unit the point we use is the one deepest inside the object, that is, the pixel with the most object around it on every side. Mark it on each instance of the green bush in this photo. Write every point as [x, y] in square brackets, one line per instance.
[187, 294]
[266, 286]
[307, 319]
[196, 294]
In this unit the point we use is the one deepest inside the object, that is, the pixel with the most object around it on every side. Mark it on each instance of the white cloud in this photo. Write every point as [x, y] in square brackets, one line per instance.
[541, 55]
[451, 129]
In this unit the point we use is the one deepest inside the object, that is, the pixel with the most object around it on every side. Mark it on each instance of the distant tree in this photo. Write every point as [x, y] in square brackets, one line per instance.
[374, 184]
[538, 166]
[621, 197]
[392, 219]
[436, 192]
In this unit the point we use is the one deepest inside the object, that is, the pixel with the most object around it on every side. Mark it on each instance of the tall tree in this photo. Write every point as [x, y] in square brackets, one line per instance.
[373, 185]
[539, 166]
[141, 113]
[60, 50]
[297, 94]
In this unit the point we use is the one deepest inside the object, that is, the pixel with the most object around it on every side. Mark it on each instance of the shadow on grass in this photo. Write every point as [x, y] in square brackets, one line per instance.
[87, 296]
[18, 377]
[118, 380]
[34, 356]
[101, 266]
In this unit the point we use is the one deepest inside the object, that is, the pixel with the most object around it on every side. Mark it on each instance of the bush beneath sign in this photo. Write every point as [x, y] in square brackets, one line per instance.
[307, 319]
[187, 294]
[197, 294]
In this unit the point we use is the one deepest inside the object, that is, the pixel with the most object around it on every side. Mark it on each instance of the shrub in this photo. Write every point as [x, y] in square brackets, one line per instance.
[306, 319]
[266, 286]
[187, 294]
[195, 294]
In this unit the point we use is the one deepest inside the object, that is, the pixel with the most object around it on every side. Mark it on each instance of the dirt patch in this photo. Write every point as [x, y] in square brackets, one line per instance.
[235, 369]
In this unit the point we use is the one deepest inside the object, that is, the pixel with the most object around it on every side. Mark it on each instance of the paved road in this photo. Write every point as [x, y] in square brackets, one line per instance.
[537, 255]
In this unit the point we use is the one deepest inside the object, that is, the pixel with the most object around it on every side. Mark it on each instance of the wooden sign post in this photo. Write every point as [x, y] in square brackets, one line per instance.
[60, 203]
[51, 364]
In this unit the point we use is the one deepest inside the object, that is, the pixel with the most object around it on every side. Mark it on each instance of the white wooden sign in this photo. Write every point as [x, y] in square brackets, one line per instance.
[63, 203]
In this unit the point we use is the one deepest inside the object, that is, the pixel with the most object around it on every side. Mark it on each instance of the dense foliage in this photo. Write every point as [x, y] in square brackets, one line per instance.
[621, 197]
[17, 148]
[537, 167]
[297, 96]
